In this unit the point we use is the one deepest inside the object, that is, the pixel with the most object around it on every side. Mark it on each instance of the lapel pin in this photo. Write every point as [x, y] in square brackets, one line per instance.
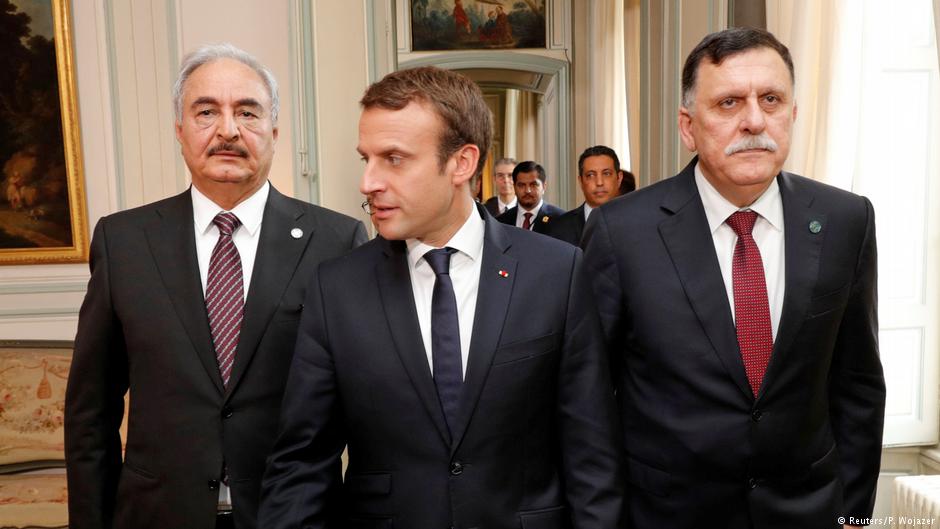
[503, 273]
[815, 226]
[545, 218]
[297, 233]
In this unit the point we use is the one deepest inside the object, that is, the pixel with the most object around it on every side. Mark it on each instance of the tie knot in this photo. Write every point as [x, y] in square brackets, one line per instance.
[527, 215]
[227, 223]
[742, 222]
[439, 260]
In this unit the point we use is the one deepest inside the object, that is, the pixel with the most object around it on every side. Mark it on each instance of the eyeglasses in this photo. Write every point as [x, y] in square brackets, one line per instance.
[367, 207]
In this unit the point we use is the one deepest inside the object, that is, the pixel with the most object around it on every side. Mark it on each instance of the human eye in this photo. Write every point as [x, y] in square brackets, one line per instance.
[728, 103]
[394, 160]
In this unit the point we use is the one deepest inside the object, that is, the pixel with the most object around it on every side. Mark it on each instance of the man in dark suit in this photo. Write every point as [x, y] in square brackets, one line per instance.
[193, 306]
[531, 211]
[600, 177]
[740, 305]
[461, 406]
[505, 196]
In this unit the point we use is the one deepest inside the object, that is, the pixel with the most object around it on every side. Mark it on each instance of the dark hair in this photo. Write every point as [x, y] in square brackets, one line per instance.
[720, 45]
[628, 183]
[456, 99]
[598, 150]
[527, 167]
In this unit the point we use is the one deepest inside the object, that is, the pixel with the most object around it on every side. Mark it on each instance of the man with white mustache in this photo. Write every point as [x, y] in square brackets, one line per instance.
[739, 307]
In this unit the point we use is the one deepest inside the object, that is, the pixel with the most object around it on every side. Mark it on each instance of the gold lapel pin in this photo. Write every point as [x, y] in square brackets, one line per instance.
[545, 218]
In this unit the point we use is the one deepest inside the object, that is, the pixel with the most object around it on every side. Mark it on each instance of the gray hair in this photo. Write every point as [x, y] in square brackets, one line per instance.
[213, 52]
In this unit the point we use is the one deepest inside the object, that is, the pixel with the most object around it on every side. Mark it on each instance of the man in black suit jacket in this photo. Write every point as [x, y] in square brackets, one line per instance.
[505, 196]
[199, 428]
[531, 211]
[461, 406]
[750, 387]
[600, 177]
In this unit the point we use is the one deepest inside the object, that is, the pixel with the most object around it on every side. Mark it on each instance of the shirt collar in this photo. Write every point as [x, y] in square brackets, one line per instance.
[249, 211]
[468, 240]
[587, 210]
[507, 205]
[717, 208]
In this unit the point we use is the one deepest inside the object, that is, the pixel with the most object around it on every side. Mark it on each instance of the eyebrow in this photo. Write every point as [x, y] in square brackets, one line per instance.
[246, 102]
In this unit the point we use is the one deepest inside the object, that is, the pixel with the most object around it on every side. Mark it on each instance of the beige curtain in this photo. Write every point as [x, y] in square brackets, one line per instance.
[609, 83]
[824, 38]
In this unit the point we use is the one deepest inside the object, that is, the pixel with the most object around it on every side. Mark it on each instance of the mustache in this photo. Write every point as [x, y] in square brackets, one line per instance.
[752, 141]
[228, 147]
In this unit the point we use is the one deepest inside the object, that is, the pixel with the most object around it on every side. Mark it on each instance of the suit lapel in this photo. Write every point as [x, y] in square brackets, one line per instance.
[580, 217]
[687, 239]
[802, 250]
[497, 275]
[276, 261]
[398, 300]
[173, 244]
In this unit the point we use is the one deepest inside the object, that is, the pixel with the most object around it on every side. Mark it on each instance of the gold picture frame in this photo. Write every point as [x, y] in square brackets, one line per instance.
[43, 216]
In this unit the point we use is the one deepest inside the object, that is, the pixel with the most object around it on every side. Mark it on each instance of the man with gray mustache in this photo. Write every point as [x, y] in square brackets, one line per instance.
[739, 306]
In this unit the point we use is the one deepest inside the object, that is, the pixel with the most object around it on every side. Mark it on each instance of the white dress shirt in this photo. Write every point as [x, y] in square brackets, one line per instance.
[465, 266]
[520, 215]
[587, 211]
[249, 212]
[767, 233]
[503, 206]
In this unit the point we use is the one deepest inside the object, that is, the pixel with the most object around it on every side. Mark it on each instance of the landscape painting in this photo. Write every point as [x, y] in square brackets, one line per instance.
[42, 204]
[477, 24]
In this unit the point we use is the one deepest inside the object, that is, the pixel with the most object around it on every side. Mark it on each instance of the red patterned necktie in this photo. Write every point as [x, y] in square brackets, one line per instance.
[751, 309]
[527, 221]
[225, 299]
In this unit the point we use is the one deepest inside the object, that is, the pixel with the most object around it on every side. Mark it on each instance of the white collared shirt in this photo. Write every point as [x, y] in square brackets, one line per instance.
[520, 214]
[465, 266]
[587, 211]
[767, 233]
[249, 212]
[503, 206]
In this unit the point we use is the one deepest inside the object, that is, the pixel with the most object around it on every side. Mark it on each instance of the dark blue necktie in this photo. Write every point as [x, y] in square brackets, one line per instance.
[445, 335]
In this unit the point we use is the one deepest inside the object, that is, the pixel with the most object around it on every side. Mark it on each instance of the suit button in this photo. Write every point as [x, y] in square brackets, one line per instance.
[213, 484]
[456, 468]
[227, 412]
[756, 415]
[752, 483]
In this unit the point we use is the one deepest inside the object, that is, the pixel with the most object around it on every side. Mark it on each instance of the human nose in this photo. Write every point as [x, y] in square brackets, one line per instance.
[371, 181]
[754, 121]
[228, 128]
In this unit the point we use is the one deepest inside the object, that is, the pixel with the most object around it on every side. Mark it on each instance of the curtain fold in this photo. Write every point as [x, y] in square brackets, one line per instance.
[609, 87]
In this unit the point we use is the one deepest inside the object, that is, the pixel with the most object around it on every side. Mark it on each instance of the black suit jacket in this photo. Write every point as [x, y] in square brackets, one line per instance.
[701, 450]
[143, 327]
[492, 205]
[541, 220]
[534, 444]
[569, 226]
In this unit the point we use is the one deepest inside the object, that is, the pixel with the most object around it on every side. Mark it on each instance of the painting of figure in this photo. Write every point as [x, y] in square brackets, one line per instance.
[477, 24]
[41, 199]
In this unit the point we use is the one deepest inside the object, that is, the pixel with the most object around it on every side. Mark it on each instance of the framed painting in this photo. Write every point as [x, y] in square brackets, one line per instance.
[42, 199]
[477, 24]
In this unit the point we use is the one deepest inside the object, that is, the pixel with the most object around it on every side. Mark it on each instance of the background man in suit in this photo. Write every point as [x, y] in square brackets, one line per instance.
[600, 177]
[461, 405]
[740, 305]
[531, 211]
[193, 306]
[505, 196]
